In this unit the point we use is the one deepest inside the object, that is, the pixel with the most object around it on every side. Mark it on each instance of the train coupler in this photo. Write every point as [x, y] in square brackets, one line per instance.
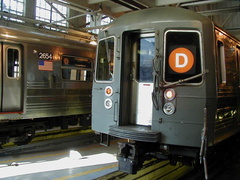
[130, 158]
[127, 165]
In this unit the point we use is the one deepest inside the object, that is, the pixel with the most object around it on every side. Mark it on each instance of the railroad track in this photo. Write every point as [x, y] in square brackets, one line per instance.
[153, 169]
[218, 162]
[222, 163]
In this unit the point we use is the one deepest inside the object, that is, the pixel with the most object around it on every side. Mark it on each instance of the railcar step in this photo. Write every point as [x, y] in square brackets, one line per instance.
[135, 132]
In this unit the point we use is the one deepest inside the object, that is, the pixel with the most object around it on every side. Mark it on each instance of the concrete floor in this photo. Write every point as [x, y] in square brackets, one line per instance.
[89, 162]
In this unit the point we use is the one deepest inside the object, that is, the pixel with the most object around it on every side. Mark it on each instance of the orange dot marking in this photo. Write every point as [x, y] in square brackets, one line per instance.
[181, 60]
[108, 91]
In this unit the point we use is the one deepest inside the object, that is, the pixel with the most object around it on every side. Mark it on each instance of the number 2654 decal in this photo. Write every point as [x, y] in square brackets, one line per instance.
[45, 55]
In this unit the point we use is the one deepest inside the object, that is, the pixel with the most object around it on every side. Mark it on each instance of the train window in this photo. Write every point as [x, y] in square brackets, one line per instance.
[231, 64]
[222, 65]
[13, 63]
[105, 60]
[238, 62]
[227, 64]
[182, 56]
[145, 58]
[76, 68]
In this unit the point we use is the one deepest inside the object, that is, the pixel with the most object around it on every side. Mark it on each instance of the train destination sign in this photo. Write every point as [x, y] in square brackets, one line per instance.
[181, 60]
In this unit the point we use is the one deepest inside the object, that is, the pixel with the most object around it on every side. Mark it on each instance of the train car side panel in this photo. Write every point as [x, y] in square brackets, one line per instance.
[46, 82]
[48, 86]
[227, 118]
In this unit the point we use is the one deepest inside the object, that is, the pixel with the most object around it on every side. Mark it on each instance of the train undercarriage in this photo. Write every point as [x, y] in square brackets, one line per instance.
[21, 132]
[132, 155]
[145, 145]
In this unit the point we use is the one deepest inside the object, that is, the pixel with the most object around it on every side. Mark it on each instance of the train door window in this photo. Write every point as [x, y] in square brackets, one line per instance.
[105, 59]
[145, 56]
[222, 65]
[13, 63]
[182, 56]
[76, 68]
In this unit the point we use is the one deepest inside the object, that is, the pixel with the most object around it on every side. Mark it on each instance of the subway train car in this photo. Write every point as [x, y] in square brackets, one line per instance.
[166, 79]
[46, 81]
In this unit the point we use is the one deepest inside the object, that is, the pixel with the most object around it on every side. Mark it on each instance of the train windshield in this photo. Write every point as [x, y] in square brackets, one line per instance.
[105, 60]
[182, 56]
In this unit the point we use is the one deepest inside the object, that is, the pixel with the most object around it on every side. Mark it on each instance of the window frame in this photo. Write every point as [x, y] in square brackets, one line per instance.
[96, 63]
[15, 11]
[165, 55]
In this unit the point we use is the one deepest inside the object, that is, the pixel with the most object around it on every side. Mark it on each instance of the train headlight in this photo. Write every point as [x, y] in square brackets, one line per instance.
[108, 91]
[108, 103]
[169, 94]
[168, 108]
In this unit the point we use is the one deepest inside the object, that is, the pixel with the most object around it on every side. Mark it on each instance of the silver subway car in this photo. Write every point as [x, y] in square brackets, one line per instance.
[45, 81]
[167, 79]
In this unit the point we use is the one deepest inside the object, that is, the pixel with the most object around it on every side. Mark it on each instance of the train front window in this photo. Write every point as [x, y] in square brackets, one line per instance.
[105, 60]
[182, 56]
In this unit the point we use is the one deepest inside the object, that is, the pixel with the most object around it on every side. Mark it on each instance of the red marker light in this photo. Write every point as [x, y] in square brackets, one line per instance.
[108, 91]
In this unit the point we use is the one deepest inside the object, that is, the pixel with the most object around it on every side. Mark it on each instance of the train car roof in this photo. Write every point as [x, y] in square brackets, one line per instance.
[162, 14]
[158, 14]
[29, 36]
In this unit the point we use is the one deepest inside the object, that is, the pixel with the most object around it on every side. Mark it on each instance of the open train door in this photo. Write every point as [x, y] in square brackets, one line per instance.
[12, 80]
[142, 79]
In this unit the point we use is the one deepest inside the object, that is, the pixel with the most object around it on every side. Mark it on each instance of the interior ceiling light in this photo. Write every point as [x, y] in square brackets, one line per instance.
[93, 43]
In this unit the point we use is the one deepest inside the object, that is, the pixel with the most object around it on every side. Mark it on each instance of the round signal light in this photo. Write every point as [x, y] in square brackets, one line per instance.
[108, 91]
[169, 108]
[169, 94]
[108, 103]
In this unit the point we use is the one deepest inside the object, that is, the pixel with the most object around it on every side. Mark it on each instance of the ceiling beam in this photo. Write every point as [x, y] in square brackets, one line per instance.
[96, 1]
[125, 4]
[220, 11]
[136, 4]
[35, 25]
[168, 2]
[201, 2]
[72, 6]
